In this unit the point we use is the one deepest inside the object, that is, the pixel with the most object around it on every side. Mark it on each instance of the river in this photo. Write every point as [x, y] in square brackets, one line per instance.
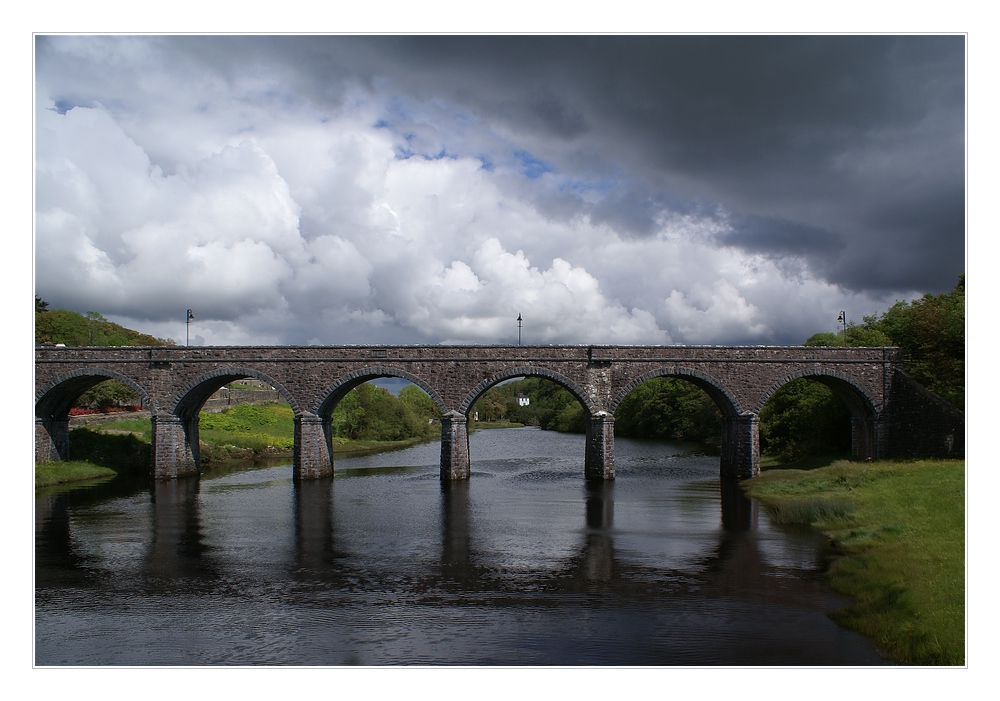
[523, 564]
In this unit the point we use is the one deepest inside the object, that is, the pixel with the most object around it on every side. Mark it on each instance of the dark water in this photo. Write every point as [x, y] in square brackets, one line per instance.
[524, 564]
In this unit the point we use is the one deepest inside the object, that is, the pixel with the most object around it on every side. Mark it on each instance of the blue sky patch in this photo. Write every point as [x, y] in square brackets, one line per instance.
[530, 166]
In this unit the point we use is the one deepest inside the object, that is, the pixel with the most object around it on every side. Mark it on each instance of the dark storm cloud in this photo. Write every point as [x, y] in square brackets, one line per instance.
[776, 237]
[920, 245]
[705, 101]
[774, 128]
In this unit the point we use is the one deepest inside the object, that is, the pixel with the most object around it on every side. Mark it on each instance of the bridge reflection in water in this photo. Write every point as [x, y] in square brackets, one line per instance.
[524, 564]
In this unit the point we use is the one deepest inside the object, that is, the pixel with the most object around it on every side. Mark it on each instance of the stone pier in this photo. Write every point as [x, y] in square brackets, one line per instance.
[867, 439]
[313, 451]
[599, 462]
[740, 456]
[51, 440]
[174, 446]
[454, 446]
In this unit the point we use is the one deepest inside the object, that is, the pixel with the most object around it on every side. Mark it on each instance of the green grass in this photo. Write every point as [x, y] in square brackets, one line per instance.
[475, 425]
[253, 426]
[48, 474]
[346, 447]
[808, 462]
[141, 428]
[120, 451]
[104, 456]
[898, 530]
[260, 428]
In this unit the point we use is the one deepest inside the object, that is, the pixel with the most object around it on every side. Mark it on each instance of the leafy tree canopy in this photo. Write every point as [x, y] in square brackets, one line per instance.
[669, 408]
[551, 406]
[371, 413]
[804, 418]
[931, 333]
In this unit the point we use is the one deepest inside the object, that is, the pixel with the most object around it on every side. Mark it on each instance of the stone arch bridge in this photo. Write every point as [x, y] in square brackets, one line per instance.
[891, 415]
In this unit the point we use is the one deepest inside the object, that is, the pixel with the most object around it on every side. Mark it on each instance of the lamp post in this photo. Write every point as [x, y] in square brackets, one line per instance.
[187, 338]
[519, 328]
[843, 319]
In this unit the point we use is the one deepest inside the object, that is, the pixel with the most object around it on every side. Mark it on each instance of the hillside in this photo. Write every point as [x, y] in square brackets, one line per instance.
[90, 329]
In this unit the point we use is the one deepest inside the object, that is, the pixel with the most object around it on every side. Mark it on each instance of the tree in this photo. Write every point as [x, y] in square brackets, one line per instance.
[551, 406]
[419, 403]
[108, 394]
[551, 400]
[371, 413]
[572, 418]
[825, 339]
[868, 335]
[931, 333]
[804, 417]
[669, 408]
[93, 318]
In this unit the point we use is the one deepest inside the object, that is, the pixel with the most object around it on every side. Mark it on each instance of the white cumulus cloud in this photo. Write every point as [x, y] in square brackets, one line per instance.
[169, 178]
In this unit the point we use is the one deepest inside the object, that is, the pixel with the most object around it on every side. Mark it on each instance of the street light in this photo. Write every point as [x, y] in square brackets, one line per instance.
[187, 339]
[843, 319]
[519, 328]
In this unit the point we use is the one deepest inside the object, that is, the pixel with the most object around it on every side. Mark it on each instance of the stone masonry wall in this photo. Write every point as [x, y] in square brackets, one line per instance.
[739, 378]
[922, 425]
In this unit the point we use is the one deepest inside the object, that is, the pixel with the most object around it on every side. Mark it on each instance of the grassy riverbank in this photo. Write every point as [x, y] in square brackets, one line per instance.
[244, 433]
[476, 425]
[806, 462]
[898, 533]
[48, 474]
[254, 427]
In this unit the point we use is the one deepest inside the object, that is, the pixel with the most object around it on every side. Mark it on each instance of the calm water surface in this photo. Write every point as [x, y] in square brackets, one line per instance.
[523, 564]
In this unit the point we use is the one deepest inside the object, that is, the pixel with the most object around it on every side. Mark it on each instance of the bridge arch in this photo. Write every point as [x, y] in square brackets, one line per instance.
[843, 386]
[724, 399]
[867, 430]
[739, 443]
[187, 402]
[598, 457]
[55, 398]
[528, 371]
[332, 395]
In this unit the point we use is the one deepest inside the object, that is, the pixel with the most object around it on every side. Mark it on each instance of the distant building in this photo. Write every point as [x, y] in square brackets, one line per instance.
[522, 400]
